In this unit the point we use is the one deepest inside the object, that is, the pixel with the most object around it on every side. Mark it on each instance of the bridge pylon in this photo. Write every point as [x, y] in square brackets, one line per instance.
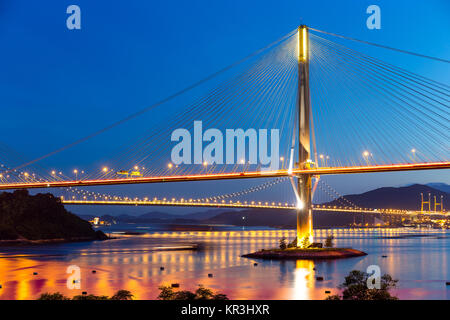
[304, 207]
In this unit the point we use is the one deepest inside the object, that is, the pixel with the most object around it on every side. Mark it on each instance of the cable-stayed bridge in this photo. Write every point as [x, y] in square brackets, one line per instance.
[308, 105]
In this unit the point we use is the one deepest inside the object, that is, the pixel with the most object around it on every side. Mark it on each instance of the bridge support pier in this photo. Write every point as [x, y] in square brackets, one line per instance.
[304, 211]
[304, 205]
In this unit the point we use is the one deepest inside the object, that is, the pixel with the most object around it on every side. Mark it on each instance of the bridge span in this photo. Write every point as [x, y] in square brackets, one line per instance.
[229, 176]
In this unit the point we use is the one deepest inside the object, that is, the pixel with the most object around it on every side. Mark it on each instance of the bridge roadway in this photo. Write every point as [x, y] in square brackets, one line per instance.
[228, 176]
[234, 205]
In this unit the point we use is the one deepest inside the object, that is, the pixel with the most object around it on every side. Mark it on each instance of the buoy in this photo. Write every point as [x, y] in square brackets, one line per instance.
[327, 291]
[319, 278]
[161, 268]
[175, 285]
[93, 271]
[84, 293]
[384, 256]
[210, 275]
[35, 273]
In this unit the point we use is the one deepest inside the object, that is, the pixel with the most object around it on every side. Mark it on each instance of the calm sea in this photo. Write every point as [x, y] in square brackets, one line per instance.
[419, 259]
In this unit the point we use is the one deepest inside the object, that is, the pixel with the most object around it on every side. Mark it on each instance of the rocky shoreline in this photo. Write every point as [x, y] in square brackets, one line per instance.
[309, 254]
[20, 242]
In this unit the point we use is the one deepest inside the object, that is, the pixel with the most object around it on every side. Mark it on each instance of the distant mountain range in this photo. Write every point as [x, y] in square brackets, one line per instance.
[160, 217]
[440, 186]
[406, 197]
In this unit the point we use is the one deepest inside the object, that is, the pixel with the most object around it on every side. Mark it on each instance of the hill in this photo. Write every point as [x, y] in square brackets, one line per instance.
[407, 197]
[40, 217]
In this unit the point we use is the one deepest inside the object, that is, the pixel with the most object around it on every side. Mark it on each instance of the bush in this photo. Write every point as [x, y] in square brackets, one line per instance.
[119, 295]
[53, 296]
[355, 288]
[329, 241]
[202, 293]
[283, 244]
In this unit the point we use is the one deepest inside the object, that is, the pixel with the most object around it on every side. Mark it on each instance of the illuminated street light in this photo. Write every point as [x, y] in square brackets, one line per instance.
[413, 151]
[170, 166]
[105, 169]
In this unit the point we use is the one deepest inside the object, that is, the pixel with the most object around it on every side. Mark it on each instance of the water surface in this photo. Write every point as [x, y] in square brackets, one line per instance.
[418, 258]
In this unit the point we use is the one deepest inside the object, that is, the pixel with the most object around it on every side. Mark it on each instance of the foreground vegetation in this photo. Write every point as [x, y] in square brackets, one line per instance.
[355, 288]
[166, 293]
[119, 295]
[202, 293]
[28, 217]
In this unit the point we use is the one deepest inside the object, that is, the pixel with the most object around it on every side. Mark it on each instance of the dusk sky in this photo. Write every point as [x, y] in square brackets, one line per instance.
[58, 85]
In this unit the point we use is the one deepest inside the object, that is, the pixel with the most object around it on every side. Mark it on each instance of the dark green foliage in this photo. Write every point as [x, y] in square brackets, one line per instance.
[39, 217]
[90, 297]
[122, 295]
[293, 244]
[355, 288]
[283, 244]
[329, 241]
[53, 296]
[202, 293]
[119, 295]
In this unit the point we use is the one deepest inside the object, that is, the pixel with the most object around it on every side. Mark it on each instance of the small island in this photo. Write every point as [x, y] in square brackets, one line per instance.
[40, 218]
[309, 251]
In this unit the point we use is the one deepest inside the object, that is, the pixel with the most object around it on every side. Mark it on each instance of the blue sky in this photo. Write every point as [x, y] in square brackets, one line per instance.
[57, 85]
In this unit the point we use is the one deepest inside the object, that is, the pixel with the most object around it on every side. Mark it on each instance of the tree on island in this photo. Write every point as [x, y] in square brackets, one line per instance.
[305, 242]
[283, 244]
[202, 293]
[355, 288]
[329, 241]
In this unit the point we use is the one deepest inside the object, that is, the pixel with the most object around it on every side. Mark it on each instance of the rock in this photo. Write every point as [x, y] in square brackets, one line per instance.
[175, 285]
[93, 271]
[255, 264]
[35, 273]
[210, 275]
[161, 268]
[311, 254]
[84, 293]
[319, 278]
[384, 256]
[327, 291]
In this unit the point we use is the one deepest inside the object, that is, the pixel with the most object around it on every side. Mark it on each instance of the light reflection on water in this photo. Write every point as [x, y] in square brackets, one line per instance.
[419, 259]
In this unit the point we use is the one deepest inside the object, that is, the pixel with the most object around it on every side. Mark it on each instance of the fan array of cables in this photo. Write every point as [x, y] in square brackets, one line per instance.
[365, 111]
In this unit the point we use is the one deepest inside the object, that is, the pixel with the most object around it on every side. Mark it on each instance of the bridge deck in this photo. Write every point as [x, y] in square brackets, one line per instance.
[228, 176]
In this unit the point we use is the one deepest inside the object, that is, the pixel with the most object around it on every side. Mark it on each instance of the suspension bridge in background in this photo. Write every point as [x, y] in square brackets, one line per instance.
[336, 110]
